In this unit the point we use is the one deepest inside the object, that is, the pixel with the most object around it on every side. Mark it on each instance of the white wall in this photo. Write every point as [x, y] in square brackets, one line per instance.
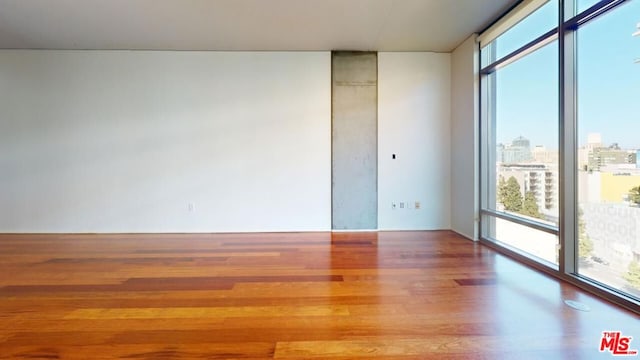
[414, 123]
[95, 141]
[464, 139]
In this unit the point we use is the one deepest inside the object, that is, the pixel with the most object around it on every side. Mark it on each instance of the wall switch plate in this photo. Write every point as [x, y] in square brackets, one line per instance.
[401, 205]
[191, 207]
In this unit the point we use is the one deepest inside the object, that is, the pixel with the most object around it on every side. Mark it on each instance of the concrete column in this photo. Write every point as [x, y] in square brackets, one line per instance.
[354, 140]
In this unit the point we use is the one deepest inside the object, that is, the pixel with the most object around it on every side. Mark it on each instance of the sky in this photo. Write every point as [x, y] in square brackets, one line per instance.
[608, 79]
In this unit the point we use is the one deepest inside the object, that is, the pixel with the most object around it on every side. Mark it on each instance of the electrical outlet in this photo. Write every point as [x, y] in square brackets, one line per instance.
[191, 207]
[393, 206]
[417, 205]
[401, 205]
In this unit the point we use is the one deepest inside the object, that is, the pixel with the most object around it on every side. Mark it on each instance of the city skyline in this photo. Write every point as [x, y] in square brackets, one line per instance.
[582, 144]
[608, 81]
[523, 127]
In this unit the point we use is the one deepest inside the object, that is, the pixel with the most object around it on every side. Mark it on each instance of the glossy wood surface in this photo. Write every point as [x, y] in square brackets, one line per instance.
[388, 295]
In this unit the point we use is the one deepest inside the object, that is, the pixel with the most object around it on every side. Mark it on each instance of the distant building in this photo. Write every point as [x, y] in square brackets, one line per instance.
[615, 186]
[595, 155]
[540, 154]
[521, 142]
[601, 157]
[583, 158]
[517, 152]
[594, 140]
[609, 185]
[541, 179]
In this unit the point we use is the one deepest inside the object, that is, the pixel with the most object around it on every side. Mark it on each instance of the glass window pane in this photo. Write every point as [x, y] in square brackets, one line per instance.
[534, 25]
[583, 5]
[539, 22]
[538, 244]
[578, 6]
[608, 149]
[525, 126]
[487, 55]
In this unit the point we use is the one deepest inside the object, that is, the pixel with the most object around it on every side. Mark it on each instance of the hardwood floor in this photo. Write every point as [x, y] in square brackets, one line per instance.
[388, 295]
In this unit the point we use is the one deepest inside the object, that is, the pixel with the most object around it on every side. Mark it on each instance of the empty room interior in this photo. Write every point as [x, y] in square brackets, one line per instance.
[319, 179]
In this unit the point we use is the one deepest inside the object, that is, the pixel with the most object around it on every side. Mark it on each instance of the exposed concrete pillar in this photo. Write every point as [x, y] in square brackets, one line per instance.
[354, 140]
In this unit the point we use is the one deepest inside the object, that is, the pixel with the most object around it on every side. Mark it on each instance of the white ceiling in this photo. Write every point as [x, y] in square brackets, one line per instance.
[382, 25]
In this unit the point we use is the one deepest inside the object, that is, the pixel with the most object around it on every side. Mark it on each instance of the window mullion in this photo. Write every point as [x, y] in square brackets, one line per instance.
[567, 157]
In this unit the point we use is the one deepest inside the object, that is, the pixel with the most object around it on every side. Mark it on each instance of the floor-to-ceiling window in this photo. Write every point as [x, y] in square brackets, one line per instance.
[607, 149]
[560, 157]
[520, 202]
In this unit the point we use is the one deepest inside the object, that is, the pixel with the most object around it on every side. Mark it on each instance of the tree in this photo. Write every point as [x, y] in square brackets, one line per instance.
[585, 244]
[502, 190]
[530, 205]
[512, 199]
[633, 275]
[634, 195]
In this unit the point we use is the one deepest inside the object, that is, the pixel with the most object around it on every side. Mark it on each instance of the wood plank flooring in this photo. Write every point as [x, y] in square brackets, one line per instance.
[388, 295]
